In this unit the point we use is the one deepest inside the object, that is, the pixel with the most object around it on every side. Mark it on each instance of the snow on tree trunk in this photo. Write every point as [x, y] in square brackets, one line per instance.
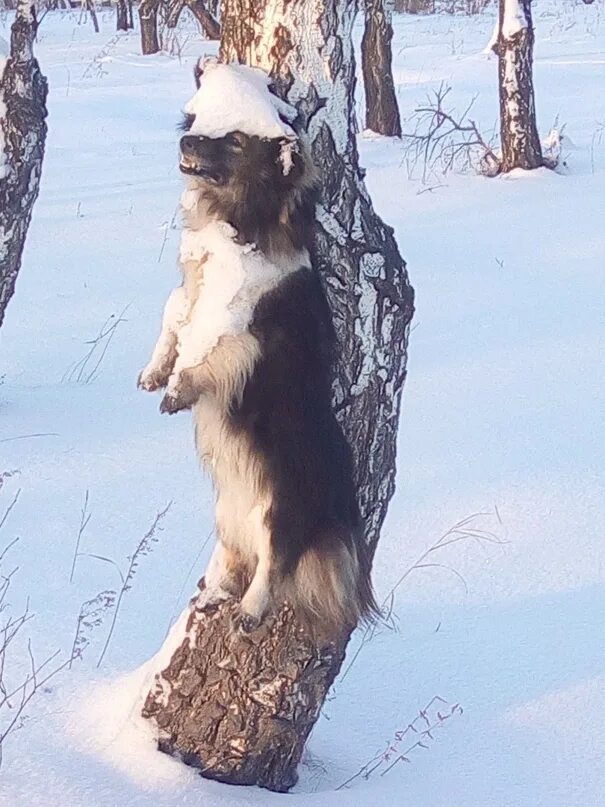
[241, 707]
[23, 91]
[382, 112]
[148, 15]
[518, 130]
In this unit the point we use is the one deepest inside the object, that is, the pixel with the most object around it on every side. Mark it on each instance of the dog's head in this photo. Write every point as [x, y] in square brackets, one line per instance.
[259, 184]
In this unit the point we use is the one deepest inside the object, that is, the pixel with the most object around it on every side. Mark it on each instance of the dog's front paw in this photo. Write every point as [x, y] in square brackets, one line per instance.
[152, 380]
[173, 402]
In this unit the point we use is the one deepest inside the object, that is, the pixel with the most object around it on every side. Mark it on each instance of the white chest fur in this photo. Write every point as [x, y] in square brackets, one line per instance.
[229, 280]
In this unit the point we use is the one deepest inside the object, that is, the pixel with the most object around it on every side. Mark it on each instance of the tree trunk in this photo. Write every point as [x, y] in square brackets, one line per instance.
[518, 130]
[240, 707]
[198, 8]
[23, 91]
[129, 18]
[148, 15]
[121, 16]
[209, 25]
[93, 15]
[173, 13]
[415, 6]
[382, 112]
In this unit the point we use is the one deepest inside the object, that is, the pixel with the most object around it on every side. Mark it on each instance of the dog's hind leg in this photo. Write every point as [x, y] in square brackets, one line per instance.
[220, 578]
[258, 597]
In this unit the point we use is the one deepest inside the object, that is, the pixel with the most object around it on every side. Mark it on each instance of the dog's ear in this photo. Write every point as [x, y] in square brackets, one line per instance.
[198, 71]
[202, 64]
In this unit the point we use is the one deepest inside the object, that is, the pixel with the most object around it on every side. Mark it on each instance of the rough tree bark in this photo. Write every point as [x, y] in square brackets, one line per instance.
[23, 91]
[382, 111]
[514, 46]
[241, 707]
[148, 16]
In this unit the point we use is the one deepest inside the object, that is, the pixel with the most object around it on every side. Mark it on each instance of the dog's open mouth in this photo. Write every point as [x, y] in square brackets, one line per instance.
[195, 168]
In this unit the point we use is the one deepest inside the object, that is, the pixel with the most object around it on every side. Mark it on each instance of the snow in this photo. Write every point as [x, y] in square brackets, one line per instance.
[227, 280]
[502, 415]
[514, 18]
[234, 98]
[233, 277]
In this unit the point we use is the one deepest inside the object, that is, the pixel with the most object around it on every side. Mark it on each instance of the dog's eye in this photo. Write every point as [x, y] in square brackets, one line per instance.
[236, 140]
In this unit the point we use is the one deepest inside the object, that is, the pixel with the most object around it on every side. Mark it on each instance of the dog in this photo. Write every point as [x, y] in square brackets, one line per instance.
[248, 343]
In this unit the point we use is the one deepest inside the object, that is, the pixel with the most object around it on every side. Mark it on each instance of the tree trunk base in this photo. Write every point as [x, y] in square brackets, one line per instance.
[240, 707]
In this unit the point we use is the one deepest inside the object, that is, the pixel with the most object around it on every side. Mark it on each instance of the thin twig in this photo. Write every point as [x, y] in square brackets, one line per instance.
[85, 517]
[461, 531]
[144, 547]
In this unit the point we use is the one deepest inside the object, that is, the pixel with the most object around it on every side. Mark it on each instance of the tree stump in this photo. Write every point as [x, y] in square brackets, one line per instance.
[240, 708]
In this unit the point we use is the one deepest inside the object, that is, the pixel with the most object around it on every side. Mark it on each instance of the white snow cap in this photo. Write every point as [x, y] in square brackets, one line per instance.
[236, 98]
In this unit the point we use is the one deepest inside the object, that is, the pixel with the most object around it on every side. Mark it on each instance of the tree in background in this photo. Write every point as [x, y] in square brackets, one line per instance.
[23, 91]
[415, 6]
[382, 112]
[241, 707]
[200, 11]
[148, 15]
[514, 46]
[124, 21]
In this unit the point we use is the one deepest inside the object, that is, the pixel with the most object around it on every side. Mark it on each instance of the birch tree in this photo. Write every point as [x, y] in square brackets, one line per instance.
[23, 92]
[514, 47]
[382, 111]
[148, 18]
[241, 707]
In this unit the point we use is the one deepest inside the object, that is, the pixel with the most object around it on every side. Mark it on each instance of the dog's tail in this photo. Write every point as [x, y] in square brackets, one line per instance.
[331, 588]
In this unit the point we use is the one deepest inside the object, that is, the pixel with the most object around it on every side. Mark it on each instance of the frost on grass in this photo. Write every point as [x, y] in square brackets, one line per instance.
[417, 735]
[22, 675]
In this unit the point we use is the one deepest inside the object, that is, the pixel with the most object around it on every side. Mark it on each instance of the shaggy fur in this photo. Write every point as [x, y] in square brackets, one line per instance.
[287, 518]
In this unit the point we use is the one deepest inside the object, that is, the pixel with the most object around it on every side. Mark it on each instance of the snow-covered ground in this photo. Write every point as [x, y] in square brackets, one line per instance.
[502, 415]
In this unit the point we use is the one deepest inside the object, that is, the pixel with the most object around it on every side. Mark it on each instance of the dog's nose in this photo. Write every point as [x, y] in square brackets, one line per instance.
[189, 143]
